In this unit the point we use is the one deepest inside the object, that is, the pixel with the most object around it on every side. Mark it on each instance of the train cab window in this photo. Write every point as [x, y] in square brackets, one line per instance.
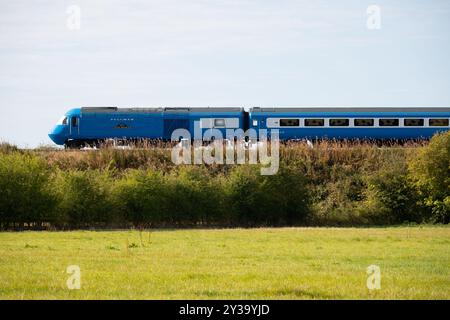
[74, 121]
[289, 122]
[413, 122]
[219, 122]
[314, 122]
[62, 121]
[364, 122]
[388, 122]
[438, 122]
[339, 122]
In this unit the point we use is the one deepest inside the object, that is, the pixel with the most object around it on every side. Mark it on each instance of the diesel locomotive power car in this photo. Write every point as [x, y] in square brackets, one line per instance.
[91, 125]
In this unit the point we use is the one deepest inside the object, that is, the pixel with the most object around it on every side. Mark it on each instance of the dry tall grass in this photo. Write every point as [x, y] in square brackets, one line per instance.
[337, 183]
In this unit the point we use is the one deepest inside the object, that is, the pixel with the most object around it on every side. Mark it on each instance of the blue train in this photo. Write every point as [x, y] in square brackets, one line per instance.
[92, 125]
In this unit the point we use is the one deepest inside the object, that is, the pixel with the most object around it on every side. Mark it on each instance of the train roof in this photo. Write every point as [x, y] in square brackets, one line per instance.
[255, 110]
[158, 110]
[351, 109]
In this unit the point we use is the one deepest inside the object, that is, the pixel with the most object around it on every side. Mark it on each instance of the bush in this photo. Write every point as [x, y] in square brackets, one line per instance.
[334, 183]
[84, 198]
[26, 195]
[187, 196]
[196, 196]
[339, 202]
[430, 173]
[267, 200]
[391, 197]
[142, 197]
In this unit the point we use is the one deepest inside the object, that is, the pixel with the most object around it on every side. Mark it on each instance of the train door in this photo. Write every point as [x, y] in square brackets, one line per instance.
[171, 125]
[174, 118]
[74, 126]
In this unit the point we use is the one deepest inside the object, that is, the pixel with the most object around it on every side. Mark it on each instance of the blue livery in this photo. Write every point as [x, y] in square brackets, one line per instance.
[93, 125]
[352, 123]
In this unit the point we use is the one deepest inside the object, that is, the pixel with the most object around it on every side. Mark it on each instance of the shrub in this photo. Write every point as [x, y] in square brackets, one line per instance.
[391, 197]
[26, 195]
[187, 196]
[196, 195]
[430, 173]
[267, 200]
[142, 197]
[334, 183]
[338, 202]
[84, 198]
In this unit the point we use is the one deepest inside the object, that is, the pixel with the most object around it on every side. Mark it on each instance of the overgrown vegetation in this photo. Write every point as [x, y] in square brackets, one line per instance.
[335, 183]
[430, 174]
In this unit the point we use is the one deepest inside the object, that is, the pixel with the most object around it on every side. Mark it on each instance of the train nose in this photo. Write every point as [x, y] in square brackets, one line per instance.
[57, 135]
[56, 138]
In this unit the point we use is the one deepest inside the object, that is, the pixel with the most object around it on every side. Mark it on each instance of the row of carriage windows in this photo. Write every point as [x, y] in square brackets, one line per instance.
[338, 122]
[364, 122]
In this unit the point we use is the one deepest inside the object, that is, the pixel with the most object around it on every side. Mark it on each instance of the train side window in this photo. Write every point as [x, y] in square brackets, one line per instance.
[74, 121]
[389, 122]
[439, 122]
[62, 121]
[339, 122]
[219, 122]
[414, 122]
[289, 122]
[364, 122]
[314, 122]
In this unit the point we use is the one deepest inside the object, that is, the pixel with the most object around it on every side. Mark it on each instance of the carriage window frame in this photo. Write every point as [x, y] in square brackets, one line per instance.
[431, 122]
[406, 123]
[309, 122]
[346, 122]
[289, 122]
[219, 123]
[371, 122]
[389, 122]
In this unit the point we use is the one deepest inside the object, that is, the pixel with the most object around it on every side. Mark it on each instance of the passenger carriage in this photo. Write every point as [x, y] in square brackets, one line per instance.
[95, 124]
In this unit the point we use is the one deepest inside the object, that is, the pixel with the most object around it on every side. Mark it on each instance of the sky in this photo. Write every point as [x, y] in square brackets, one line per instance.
[216, 53]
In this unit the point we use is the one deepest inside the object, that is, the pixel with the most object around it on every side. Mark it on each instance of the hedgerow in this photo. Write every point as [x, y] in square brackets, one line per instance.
[335, 183]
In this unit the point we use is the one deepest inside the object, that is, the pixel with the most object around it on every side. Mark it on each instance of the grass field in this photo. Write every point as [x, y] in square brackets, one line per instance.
[287, 263]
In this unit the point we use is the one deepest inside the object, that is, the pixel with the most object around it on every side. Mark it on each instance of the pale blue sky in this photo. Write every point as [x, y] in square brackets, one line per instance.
[216, 53]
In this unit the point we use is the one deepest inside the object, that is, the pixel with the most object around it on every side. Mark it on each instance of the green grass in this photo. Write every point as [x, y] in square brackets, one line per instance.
[286, 263]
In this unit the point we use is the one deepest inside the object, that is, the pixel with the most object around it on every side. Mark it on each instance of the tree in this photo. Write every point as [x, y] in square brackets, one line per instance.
[430, 173]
